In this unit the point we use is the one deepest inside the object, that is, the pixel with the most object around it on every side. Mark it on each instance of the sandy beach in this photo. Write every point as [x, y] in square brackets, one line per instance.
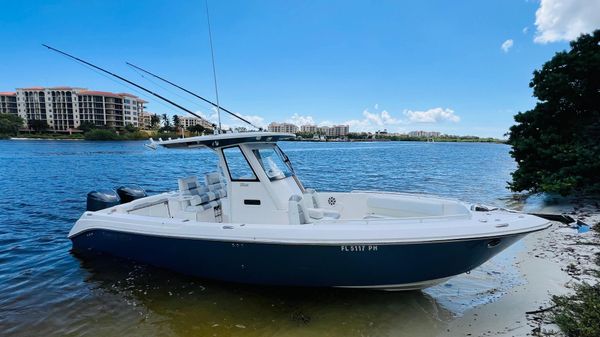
[551, 263]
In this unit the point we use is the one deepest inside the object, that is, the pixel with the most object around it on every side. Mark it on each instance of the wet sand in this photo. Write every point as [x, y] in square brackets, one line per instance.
[552, 262]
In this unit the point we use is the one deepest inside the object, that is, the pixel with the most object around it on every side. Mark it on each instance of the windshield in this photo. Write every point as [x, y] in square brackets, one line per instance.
[273, 162]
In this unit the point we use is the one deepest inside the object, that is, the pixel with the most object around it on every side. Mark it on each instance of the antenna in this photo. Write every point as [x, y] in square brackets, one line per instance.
[191, 93]
[212, 53]
[122, 79]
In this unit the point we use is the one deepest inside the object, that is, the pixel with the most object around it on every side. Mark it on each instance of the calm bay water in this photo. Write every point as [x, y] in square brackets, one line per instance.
[45, 290]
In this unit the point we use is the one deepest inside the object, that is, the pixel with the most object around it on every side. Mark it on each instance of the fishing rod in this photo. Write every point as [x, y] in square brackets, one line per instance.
[123, 79]
[192, 93]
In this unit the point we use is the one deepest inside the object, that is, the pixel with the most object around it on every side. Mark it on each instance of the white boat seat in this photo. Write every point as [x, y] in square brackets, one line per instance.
[297, 212]
[311, 202]
[188, 185]
[322, 213]
[203, 197]
[310, 198]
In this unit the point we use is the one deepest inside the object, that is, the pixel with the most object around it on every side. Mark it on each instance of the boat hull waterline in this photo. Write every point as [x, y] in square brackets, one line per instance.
[390, 266]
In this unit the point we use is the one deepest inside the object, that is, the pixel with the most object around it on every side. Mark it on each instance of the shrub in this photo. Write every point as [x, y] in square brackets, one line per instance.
[100, 134]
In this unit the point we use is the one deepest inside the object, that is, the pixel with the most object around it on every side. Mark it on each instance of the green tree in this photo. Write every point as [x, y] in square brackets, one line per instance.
[10, 124]
[86, 126]
[197, 129]
[37, 125]
[166, 121]
[130, 128]
[154, 121]
[176, 121]
[557, 143]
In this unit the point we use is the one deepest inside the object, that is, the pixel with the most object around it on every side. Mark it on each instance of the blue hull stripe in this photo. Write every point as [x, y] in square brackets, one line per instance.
[297, 265]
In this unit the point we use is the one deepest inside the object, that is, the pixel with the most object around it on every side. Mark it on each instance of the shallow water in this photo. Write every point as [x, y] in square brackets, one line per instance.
[45, 290]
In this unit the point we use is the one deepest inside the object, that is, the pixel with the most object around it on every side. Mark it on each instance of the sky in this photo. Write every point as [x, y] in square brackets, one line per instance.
[458, 67]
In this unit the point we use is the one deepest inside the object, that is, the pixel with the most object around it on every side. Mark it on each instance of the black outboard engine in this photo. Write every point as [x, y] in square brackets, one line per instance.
[130, 192]
[101, 199]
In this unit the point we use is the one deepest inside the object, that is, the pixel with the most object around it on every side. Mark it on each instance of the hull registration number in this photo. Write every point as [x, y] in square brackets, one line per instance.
[359, 248]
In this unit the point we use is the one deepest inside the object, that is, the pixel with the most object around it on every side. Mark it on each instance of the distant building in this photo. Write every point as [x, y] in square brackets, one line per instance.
[187, 121]
[145, 120]
[65, 108]
[8, 103]
[337, 131]
[424, 134]
[283, 127]
[309, 128]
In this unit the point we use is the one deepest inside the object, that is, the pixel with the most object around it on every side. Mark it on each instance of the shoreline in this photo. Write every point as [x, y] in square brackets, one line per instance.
[552, 262]
[296, 140]
[32, 138]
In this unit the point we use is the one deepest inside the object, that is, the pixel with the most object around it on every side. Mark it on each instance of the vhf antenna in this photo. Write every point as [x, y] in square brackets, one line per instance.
[212, 54]
[191, 93]
[122, 79]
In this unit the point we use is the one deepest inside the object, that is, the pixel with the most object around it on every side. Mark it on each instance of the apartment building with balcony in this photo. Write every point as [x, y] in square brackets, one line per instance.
[8, 103]
[65, 108]
[309, 128]
[424, 134]
[330, 131]
[283, 127]
[187, 121]
[335, 130]
[145, 120]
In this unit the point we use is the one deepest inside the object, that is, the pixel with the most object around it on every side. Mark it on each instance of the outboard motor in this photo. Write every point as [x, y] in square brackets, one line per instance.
[101, 199]
[130, 192]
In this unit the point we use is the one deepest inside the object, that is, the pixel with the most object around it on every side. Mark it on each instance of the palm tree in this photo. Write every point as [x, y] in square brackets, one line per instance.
[166, 121]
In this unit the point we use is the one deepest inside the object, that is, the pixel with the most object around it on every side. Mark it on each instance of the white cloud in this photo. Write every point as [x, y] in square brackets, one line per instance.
[228, 121]
[254, 119]
[301, 120]
[506, 45]
[434, 115]
[564, 20]
[525, 30]
[373, 121]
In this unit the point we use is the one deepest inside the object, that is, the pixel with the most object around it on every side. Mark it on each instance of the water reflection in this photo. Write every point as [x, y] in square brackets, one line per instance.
[159, 302]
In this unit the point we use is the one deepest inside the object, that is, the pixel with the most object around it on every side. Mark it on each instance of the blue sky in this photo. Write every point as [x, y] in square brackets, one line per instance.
[410, 65]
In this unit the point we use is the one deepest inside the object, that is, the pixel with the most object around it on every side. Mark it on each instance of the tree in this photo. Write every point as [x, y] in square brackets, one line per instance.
[154, 121]
[557, 143]
[166, 121]
[10, 124]
[176, 121]
[130, 128]
[197, 129]
[86, 126]
[37, 125]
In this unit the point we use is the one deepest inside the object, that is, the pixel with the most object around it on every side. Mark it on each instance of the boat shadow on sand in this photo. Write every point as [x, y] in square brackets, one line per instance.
[166, 302]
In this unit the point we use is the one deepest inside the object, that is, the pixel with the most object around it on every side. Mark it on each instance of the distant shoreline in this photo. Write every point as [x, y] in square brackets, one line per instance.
[32, 138]
[297, 140]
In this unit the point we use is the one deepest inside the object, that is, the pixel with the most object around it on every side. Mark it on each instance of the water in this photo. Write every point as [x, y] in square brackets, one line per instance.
[45, 290]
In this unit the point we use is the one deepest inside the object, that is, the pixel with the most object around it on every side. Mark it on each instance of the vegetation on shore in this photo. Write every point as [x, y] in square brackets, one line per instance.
[9, 125]
[557, 143]
[363, 136]
[579, 314]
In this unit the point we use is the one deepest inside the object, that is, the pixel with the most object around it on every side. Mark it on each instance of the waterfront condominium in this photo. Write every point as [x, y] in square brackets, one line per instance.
[330, 131]
[187, 121]
[65, 108]
[8, 102]
[424, 134]
[283, 127]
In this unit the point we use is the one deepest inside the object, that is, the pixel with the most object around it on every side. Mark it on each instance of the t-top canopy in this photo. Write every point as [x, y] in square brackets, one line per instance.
[221, 140]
